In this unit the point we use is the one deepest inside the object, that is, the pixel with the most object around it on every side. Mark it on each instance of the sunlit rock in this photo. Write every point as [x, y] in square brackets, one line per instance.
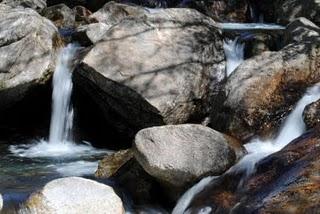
[182, 154]
[74, 195]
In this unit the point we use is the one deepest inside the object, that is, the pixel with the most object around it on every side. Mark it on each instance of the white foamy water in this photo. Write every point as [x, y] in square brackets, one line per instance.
[292, 128]
[77, 168]
[44, 149]
[60, 142]
[234, 51]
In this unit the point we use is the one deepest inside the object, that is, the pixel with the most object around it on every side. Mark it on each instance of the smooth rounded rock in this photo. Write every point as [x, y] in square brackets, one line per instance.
[28, 50]
[74, 195]
[181, 154]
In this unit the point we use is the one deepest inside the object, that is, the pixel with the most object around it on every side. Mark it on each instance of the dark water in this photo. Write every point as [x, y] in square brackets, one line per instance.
[20, 176]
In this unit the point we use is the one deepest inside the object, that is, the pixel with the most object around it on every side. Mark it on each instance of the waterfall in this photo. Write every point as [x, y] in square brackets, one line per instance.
[60, 143]
[62, 112]
[234, 51]
[291, 128]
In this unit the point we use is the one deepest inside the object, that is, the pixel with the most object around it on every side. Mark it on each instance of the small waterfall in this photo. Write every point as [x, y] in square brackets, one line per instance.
[62, 112]
[234, 51]
[60, 142]
[292, 128]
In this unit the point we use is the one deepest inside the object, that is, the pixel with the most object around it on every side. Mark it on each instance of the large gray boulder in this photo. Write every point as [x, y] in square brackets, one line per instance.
[74, 195]
[28, 45]
[154, 69]
[179, 155]
[33, 4]
[262, 90]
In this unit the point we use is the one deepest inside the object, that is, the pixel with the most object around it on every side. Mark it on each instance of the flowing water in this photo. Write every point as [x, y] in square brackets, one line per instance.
[291, 128]
[250, 26]
[234, 51]
[27, 165]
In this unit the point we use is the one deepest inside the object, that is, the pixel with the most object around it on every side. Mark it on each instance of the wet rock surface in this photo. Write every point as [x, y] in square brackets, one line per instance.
[263, 89]
[286, 181]
[311, 114]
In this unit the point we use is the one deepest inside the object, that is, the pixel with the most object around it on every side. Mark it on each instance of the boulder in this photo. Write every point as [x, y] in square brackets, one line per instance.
[301, 29]
[284, 182]
[37, 5]
[178, 56]
[90, 34]
[129, 175]
[28, 44]
[262, 90]
[311, 114]
[74, 195]
[285, 11]
[112, 13]
[222, 10]
[82, 15]
[178, 155]
[61, 15]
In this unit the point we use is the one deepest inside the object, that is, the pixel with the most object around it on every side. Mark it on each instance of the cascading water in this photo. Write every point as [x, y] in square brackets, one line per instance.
[249, 26]
[292, 128]
[62, 112]
[30, 165]
[234, 51]
[60, 138]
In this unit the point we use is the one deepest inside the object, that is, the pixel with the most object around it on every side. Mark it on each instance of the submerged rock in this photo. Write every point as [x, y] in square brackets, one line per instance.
[284, 182]
[263, 89]
[311, 114]
[178, 56]
[74, 195]
[28, 44]
[182, 154]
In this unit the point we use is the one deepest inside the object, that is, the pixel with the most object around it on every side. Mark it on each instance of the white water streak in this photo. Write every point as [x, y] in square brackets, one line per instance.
[62, 112]
[60, 142]
[234, 51]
